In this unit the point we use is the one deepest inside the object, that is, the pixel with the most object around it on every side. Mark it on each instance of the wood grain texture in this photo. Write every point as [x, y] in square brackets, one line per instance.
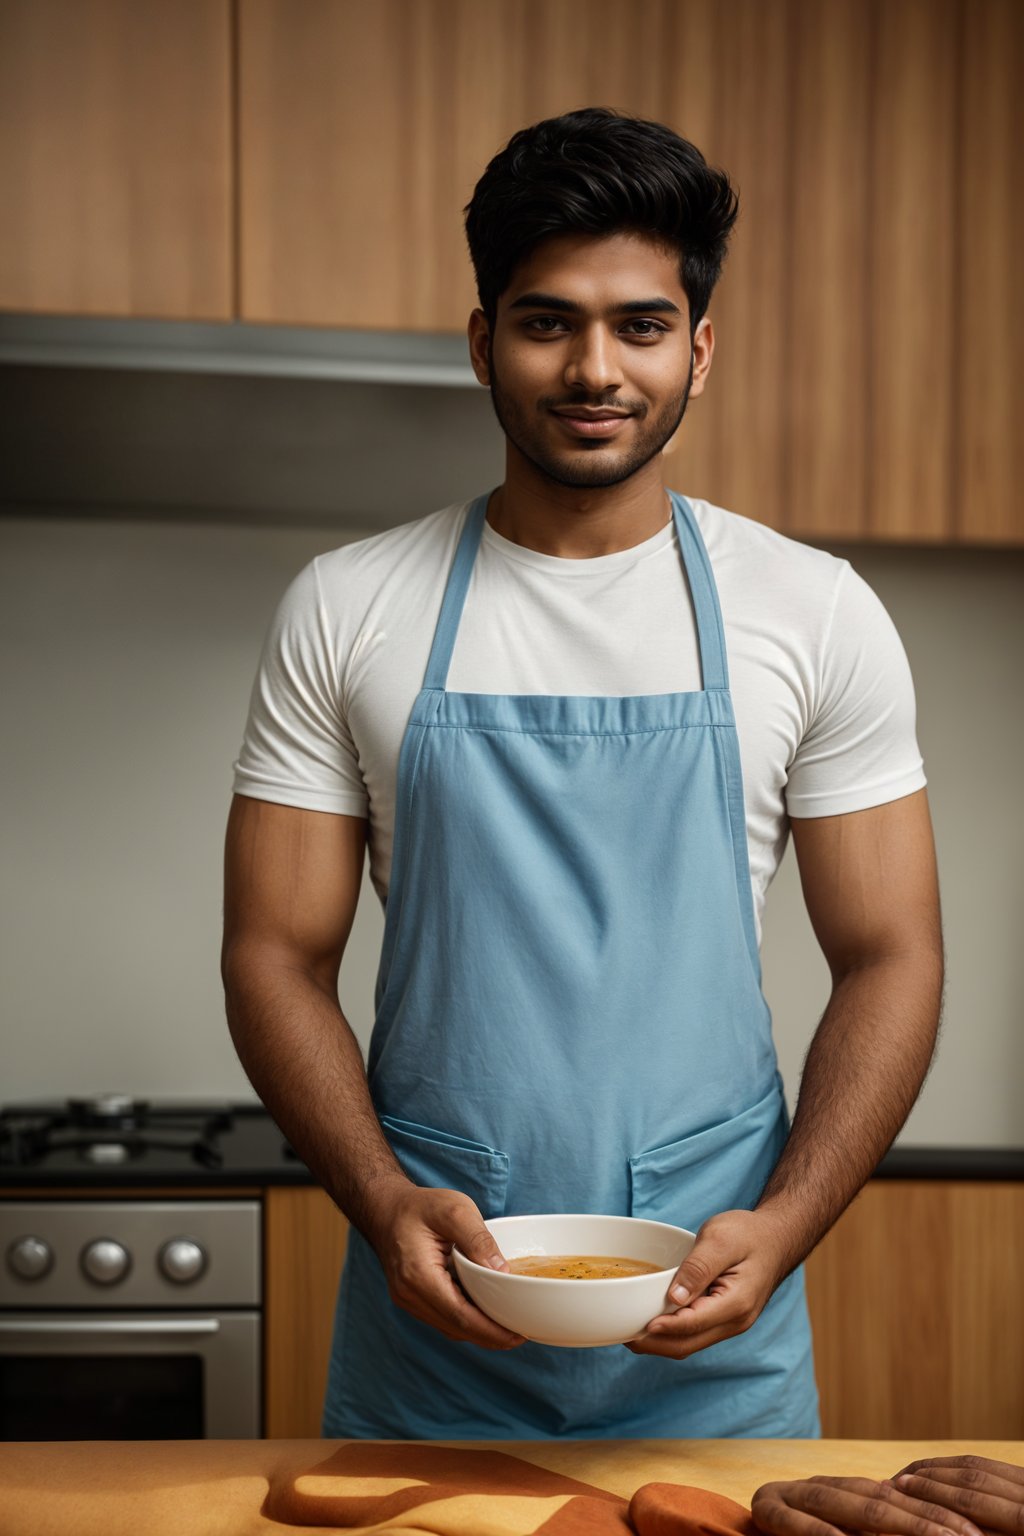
[744, 406]
[827, 274]
[989, 477]
[365, 128]
[304, 1238]
[115, 158]
[915, 1300]
[912, 297]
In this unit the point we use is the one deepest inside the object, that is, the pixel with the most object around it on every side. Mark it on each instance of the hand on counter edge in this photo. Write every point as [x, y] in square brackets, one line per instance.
[963, 1495]
[989, 1493]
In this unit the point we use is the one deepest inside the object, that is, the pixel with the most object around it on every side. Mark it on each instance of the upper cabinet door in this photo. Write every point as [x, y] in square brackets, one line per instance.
[115, 158]
[911, 310]
[364, 128]
[989, 468]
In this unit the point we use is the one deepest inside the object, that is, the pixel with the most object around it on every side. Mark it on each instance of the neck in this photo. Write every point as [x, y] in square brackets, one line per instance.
[577, 522]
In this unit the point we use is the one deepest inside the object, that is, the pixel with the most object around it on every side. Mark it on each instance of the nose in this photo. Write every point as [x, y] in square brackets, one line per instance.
[593, 362]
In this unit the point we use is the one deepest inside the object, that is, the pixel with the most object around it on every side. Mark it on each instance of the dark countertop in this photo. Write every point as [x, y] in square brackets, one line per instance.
[952, 1163]
[256, 1156]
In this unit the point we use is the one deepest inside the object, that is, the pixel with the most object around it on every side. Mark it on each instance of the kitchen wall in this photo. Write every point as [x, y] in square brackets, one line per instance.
[133, 600]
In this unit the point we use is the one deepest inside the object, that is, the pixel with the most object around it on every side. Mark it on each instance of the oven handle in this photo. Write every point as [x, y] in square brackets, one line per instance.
[114, 1325]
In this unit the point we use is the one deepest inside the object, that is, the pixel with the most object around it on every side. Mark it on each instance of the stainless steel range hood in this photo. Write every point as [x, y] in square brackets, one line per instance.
[279, 351]
[276, 425]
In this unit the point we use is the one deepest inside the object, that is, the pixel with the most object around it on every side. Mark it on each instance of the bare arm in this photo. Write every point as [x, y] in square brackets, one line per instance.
[292, 880]
[871, 890]
[291, 884]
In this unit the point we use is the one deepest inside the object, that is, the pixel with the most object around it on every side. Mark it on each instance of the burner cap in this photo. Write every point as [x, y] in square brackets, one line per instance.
[105, 1107]
[106, 1152]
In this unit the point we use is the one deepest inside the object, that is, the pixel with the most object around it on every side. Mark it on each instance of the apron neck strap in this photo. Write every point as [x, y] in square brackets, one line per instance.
[714, 665]
[708, 615]
[455, 595]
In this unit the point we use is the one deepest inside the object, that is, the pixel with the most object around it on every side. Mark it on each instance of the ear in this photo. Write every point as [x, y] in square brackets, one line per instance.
[479, 334]
[703, 351]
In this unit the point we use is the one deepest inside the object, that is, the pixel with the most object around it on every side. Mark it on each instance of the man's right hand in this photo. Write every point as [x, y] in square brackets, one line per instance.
[414, 1231]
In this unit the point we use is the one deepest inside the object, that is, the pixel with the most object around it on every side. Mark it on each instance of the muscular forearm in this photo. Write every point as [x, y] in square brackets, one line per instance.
[304, 1062]
[863, 1072]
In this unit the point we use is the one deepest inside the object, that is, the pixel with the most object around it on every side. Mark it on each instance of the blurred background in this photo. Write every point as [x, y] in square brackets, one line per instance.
[233, 297]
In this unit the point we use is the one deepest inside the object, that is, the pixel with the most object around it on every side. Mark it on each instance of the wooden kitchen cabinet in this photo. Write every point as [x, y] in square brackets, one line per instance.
[365, 128]
[989, 444]
[304, 1236]
[116, 158]
[868, 320]
[915, 1298]
[308, 164]
[916, 1301]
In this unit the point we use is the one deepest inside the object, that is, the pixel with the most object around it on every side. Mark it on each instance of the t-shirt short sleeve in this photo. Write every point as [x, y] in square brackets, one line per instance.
[860, 747]
[297, 749]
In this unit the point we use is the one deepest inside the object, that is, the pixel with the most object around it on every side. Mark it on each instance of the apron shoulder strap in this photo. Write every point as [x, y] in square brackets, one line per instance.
[455, 596]
[708, 614]
[714, 665]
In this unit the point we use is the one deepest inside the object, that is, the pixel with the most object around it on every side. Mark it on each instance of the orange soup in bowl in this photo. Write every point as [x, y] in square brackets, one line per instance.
[584, 1266]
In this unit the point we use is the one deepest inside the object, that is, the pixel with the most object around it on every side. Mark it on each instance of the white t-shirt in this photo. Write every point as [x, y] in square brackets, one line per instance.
[821, 687]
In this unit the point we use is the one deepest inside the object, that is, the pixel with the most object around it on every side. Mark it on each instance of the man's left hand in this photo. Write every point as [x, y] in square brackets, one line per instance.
[833, 1506]
[721, 1288]
[988, 1493]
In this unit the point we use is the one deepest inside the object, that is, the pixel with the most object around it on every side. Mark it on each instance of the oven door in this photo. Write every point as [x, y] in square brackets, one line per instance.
[130, 1376]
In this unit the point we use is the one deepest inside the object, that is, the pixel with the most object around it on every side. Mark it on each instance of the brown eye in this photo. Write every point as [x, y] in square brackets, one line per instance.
[656, 328]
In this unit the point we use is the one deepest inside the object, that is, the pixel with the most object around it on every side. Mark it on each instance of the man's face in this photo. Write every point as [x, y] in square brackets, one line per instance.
[589, 364]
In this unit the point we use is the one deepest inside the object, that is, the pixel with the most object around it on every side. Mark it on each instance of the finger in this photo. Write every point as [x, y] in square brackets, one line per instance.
[778, 1519]
[776, 1507]
[421, 1284]
[1006, 1471]
[867, 1488]
[675, 1348]
[980, 1478]
[859, 1504]
[976, 1502]
[726, 1308]
[706, 1260]
[464, 1225]
[457, 1318]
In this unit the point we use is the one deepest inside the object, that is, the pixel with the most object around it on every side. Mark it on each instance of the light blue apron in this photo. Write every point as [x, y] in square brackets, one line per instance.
[570, 1018]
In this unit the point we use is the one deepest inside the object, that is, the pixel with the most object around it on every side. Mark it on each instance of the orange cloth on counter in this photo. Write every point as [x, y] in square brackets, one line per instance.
[383, 1487]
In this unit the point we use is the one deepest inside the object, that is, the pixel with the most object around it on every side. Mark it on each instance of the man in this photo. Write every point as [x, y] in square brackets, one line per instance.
[527, 705]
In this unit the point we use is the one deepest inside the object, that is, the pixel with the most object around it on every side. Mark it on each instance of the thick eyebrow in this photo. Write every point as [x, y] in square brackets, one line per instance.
[659, 305]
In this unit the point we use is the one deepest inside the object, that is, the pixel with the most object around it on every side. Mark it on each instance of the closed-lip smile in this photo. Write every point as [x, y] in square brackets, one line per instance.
[590, 423]
[580, 413]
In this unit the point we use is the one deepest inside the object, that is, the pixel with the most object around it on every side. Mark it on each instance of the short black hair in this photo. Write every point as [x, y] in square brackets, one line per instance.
[598, 171]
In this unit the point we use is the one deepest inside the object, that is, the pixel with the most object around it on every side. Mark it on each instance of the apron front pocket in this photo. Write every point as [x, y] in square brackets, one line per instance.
[439, 1160]
[723, 1168]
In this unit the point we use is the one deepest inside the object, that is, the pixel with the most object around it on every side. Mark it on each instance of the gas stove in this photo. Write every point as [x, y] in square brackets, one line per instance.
[115, 1138]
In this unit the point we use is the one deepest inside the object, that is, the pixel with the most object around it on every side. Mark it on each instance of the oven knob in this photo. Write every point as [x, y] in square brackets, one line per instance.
[105, 1261]
[182, 1260]
[30, 1258]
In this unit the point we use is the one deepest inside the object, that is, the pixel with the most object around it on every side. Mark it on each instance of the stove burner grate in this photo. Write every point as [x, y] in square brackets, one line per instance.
[112, 1131]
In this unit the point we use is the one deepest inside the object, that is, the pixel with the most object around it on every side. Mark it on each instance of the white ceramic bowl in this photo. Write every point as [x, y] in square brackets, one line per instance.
[579, 1314]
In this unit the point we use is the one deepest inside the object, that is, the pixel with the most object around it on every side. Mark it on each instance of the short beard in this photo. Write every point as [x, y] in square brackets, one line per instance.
[579, 472]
